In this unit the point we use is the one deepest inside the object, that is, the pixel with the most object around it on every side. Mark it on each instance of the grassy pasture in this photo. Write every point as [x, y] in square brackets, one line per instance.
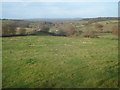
[59, 62]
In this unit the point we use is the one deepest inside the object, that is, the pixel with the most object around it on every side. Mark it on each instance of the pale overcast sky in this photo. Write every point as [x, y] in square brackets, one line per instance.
[60, 0]
[59, 9]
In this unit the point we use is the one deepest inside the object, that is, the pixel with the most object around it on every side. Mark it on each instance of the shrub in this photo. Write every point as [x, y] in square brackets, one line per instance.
[90, 34]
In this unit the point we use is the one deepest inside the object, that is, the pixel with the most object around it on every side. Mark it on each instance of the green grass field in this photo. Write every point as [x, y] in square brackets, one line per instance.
[59, 62]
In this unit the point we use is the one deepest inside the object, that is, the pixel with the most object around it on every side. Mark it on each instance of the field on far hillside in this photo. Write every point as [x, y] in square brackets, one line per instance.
[45, 61]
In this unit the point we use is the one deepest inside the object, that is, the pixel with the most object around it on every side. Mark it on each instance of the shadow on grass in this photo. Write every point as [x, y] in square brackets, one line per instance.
[36, 34]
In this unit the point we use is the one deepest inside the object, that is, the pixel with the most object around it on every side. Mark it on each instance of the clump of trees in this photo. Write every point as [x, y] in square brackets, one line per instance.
[66, 30]
[61, 31]
[98, 26]
[44, 28]
[90, 34]
[8, 29]
[70, 30]
[115, 30]
[22, 31]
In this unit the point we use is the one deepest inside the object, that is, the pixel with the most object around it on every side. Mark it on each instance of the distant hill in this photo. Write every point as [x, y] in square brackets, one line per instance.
[53, 19]
[64, 19]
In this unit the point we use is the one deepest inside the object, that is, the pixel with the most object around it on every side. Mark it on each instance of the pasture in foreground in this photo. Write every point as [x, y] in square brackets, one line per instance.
[59, 62]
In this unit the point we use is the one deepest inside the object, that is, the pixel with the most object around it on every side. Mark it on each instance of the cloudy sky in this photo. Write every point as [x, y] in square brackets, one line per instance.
[58, 9]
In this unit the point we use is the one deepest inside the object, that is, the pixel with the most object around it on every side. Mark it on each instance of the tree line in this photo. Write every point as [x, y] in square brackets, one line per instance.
[11, 29]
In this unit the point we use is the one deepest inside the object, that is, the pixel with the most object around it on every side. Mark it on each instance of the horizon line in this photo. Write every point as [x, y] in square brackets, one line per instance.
[64, 17]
